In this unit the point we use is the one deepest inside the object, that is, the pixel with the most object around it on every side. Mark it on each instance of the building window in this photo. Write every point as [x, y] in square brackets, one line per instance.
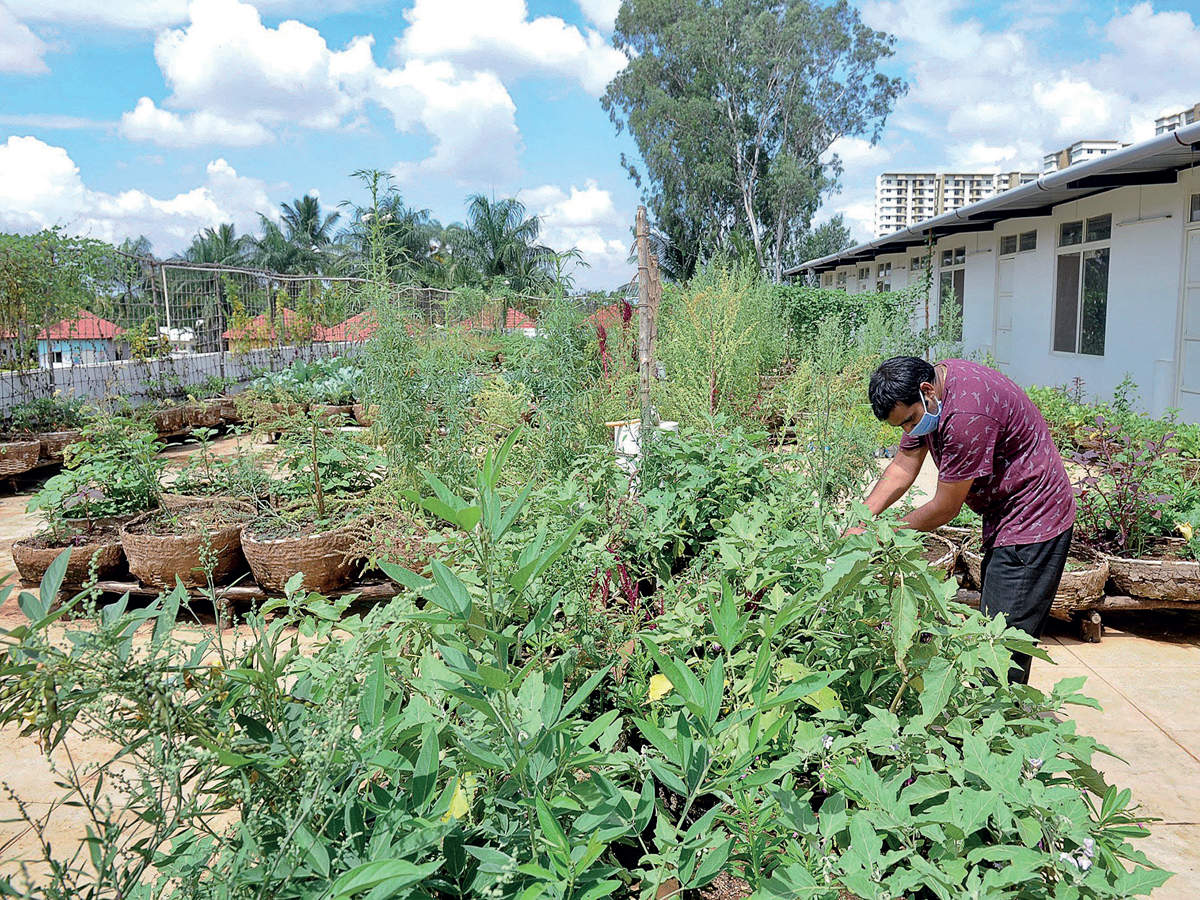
[864, 273]
[950, 285]
[883, 287]
[1028, 241]
[1195, 214]
[828, 279]
[841, 279]
[918, 263]
[57, 357]
[1097, 228]
[1081, 286]
[1008, 244]
[884, 270]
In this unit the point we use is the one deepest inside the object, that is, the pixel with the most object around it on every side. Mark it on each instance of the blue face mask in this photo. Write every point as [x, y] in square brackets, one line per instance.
[929, 421]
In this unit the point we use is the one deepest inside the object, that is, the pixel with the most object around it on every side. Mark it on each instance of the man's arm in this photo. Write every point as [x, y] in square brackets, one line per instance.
[946, 502]
[896, 479]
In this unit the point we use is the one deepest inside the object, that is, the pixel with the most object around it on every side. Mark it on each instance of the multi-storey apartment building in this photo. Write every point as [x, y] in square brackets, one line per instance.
[905, 198]
[1177, 120]
[1080, 151]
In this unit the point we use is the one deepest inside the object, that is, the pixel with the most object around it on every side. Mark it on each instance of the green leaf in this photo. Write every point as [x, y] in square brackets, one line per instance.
[581, 693]
[453, 596]
[53, 579]
[394, 873]
[425, 770]
[550, 827]
[167, 615]
[313, 849]
[372, 695]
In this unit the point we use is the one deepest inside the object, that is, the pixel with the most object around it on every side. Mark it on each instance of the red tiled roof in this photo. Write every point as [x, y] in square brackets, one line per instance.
[486, 320]
[84, 327]
[355, 328]
[607, 316]
[260, 328]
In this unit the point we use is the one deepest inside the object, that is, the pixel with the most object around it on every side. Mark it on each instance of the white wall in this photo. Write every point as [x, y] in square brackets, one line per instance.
[1143, 291]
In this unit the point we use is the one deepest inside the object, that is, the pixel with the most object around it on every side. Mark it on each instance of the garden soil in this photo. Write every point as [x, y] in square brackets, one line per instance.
[1139, 673]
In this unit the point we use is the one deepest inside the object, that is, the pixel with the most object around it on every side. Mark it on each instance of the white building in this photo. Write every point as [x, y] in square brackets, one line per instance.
[1177, 120]
[1080, 151]
[906, 198]
[1090, 272]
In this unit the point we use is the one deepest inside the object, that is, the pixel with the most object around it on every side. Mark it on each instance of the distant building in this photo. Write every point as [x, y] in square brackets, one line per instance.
[514, 321]
[1177, 120]
[288, 327]
[87, 338]
[1080, 151]
[354, 330]
[905, 198]
[182, 340]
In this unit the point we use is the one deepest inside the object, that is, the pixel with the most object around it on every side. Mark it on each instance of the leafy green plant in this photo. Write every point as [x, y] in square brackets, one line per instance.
[51, 413]
[113, 471]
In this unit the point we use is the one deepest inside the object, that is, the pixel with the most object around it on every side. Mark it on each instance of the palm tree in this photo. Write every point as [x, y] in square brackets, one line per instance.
[503, 243]
[309, 231]
[221, 245]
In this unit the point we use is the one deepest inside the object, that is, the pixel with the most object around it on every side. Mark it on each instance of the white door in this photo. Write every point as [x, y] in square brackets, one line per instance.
[1002, 336]
[1189, 349]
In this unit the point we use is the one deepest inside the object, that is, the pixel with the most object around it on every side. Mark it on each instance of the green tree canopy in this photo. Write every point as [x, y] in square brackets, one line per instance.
[735, 106]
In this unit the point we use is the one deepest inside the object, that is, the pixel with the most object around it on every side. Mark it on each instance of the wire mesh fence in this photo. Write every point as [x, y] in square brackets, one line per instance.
[140, 330]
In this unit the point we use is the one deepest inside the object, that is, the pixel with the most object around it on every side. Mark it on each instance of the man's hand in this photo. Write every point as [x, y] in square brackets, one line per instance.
[857, 529]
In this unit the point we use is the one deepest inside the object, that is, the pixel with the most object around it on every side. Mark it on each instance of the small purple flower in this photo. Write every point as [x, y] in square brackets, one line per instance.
[827, 741]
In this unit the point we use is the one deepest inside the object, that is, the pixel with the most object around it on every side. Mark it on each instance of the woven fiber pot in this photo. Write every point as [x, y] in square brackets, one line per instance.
[364, 414]
[1080, 588]
[944, 563]
[170, 420]
[54, 442]
[335, 414]
[156, 560]
[32, 560]
[322, 557]
[18, 456]
[205, 414]
[229, 410]
[1157, 579]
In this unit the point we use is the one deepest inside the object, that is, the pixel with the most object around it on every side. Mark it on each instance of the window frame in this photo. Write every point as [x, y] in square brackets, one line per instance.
[957, 257]
[1083, 249]
[1194, 209]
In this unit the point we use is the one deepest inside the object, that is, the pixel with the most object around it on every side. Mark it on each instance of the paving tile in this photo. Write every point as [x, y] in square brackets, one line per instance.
[1117, 714]
[1174, 848]
[1122, 650]
[1164, 696]
[1164, 778]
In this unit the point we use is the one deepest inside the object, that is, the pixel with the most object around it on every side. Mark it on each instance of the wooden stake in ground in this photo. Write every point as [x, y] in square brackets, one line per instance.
[645, 321]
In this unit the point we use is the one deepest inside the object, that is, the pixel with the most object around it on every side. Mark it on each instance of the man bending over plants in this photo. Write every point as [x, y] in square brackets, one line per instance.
[993, 451]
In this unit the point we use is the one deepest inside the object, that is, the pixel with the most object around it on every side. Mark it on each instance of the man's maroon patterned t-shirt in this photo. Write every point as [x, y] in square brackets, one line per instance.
[989, 430]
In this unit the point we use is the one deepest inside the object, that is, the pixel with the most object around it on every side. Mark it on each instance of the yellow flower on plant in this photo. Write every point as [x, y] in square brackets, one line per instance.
[1185, 528]
[660, 686]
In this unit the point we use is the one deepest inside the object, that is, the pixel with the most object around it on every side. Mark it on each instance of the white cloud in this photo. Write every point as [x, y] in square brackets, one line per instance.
[236, 82]
[40, 186]
[588, 219]
[601, 13]
[52, 122]
[21, 51]
[147, 122]
[499, 36]
[471, 117]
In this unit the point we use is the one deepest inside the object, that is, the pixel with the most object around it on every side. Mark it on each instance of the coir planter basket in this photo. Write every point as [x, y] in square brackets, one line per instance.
[157, 559]
[1166, 577]
[325, 558]
[33, 556]
[1081, 586]
[18, 456]
[54, 442]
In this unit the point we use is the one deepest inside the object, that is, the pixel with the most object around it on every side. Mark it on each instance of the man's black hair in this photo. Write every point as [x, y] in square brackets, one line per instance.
[898, 380]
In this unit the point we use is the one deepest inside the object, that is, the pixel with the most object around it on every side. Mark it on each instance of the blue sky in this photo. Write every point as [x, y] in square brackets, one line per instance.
[160, 117]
